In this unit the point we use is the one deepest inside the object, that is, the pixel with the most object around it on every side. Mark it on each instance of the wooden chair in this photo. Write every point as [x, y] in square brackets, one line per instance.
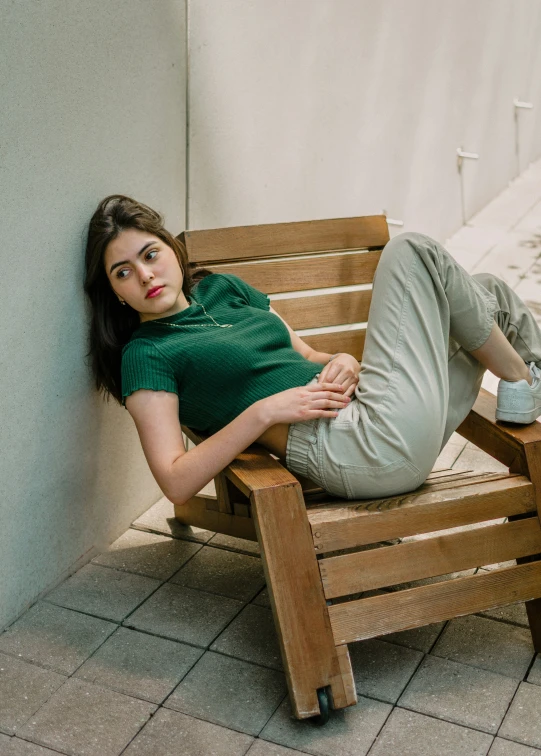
[321, 553]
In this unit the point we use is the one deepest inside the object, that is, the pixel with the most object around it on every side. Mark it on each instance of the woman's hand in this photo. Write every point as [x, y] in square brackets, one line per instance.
[344, 370]
[304, 403]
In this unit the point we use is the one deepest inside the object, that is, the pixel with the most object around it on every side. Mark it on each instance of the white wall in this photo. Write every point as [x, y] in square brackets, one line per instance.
[92, 103]
[305, 109]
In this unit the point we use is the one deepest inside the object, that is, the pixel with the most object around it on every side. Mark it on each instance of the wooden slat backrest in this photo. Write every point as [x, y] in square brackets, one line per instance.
[277, 239]
[277, 275]
[303, 259]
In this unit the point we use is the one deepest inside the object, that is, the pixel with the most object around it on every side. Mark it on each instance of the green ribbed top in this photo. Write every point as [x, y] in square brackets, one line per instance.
[216, 372]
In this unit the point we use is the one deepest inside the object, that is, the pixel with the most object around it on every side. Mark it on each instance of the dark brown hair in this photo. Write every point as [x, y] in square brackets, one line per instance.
[112, 324]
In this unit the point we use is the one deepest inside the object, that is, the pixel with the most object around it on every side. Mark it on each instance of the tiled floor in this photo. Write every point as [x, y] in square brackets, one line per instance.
[165, 644]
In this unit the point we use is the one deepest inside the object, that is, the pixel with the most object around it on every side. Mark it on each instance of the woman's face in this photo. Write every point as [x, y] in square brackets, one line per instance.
[137, 263]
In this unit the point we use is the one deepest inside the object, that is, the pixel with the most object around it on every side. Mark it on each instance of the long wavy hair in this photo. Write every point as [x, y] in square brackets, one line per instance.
[112, 324]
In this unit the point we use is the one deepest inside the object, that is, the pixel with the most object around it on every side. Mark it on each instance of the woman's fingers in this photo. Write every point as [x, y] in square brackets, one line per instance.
[325, 385]
[351, 390]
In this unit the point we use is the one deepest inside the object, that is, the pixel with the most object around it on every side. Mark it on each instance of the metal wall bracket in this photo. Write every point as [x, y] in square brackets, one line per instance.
[462, 155]
[392, 221]
[519, 105]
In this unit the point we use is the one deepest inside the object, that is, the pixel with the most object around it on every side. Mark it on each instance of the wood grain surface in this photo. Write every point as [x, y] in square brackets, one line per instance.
[414, 607]
[440, 555]
[277, 239]
[423, 511]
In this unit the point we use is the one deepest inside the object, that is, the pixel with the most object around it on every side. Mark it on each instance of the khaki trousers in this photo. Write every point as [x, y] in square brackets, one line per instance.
[417, 381]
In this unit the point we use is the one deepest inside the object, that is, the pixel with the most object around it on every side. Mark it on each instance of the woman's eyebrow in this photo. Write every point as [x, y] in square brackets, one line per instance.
[126, 262]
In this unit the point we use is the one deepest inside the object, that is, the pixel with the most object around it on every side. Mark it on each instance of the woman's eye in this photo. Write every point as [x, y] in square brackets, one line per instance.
[120, 272]
[151, 252]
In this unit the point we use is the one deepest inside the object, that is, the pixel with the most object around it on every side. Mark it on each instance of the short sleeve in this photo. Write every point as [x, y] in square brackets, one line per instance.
[143, 367]
[252, 296]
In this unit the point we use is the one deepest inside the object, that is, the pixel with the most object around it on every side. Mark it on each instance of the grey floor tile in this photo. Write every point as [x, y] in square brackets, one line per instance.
[55, 637]
[503, 747]
[535, 672]
[106, 593]
[419, 638]
[160, 518]
[19, 747]
[472, 458]
[235, 544]
[523, 721]
[229, 692]
[264, 748]
[139, 665]
[450, 452]
[262, 599]
[486, 643]
[83, 720]
[170, 733]
[23, 689]
[252, 637]
[458, 693]
[349, 732]
[184, 614]
[514, 613]
[4, 743]
[227, 573]
[407, 733]
[382, 670]
[149, 554]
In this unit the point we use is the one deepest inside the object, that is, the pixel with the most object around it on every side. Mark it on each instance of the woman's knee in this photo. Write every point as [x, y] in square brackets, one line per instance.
[489, 281]
[411, 238]
[403, 247]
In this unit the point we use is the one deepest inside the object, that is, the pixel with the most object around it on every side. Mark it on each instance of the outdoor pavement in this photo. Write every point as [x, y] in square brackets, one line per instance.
[165, 643]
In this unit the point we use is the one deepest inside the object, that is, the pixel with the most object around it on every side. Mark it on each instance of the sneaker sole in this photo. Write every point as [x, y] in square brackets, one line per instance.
[524, 418]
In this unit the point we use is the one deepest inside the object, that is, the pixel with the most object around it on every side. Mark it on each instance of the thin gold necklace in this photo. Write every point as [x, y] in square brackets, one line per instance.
[198, 325]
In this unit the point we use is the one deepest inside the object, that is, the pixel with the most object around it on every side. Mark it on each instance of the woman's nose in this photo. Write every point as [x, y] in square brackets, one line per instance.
[145, 274]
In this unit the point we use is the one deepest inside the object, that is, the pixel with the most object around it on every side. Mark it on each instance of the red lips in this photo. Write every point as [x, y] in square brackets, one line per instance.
[153, 291]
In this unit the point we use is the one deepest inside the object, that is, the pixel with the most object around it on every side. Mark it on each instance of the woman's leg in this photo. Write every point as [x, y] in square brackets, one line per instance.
[388, 440]
[515, 340]
[498, 356]
[424, 303]
[418, 378]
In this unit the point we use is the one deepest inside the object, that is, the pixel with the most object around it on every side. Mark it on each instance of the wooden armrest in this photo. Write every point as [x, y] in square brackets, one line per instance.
[506, 442]
[254, 469]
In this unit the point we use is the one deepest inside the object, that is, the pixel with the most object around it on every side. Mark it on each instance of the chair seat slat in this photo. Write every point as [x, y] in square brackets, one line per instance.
[421, 512]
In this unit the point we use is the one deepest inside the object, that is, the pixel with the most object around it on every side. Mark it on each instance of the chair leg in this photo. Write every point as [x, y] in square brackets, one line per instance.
[531, 467]
[311, 658]
[533, 609]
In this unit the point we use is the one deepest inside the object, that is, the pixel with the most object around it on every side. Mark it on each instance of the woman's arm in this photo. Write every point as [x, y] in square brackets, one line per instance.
[345, 370]
[299, 346]
[180, 473]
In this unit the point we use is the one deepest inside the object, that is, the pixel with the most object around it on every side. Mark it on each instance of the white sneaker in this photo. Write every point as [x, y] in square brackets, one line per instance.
[518, 402]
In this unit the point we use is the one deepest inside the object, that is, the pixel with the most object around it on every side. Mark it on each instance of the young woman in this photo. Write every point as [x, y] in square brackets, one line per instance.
[208, 351]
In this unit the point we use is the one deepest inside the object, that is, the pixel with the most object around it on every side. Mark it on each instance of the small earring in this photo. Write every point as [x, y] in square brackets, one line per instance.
[122, 302]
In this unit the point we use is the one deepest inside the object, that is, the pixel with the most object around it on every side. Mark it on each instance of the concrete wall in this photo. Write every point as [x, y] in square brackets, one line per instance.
[325, 108]
[93, 103]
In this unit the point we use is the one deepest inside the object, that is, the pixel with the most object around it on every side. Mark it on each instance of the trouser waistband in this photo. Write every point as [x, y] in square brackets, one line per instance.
[301, 449]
